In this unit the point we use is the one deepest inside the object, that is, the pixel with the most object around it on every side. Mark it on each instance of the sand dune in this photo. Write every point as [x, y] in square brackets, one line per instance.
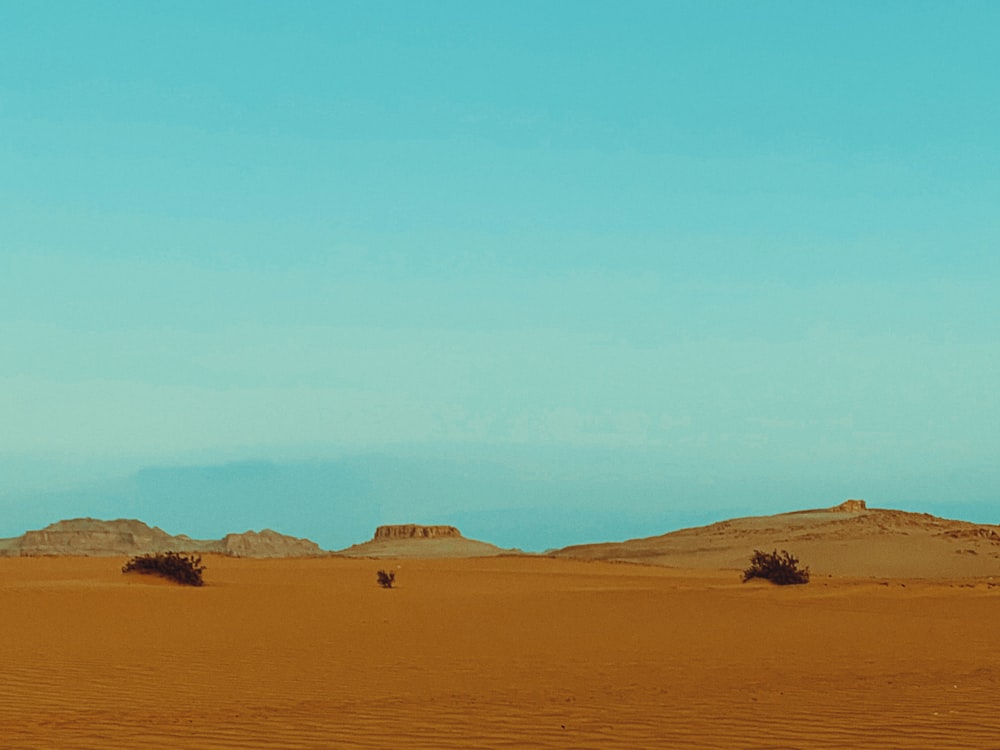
[504, 652]
[849, 539]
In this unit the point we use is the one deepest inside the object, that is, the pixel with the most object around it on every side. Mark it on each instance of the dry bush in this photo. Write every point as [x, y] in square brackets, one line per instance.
[781, 568]
[385, 580]
[186, 569]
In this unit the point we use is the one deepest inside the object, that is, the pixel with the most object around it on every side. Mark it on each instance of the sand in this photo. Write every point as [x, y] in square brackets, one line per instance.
[503, 652]
[849, 540]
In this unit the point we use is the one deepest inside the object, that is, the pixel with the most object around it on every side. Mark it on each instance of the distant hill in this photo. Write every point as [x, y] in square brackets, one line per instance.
[96, 538]
[418, 541]
[849, 539]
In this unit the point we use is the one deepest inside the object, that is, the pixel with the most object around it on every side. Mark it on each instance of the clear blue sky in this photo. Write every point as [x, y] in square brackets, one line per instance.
[754, 240]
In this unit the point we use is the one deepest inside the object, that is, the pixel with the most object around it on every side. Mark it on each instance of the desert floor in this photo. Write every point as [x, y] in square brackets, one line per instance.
[490, 653]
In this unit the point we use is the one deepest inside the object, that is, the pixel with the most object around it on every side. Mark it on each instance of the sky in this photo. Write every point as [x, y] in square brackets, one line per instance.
[584, 268]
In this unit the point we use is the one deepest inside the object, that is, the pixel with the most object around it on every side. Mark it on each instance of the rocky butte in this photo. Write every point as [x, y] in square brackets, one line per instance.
[415, 540]
[852, 506]
[416, 531]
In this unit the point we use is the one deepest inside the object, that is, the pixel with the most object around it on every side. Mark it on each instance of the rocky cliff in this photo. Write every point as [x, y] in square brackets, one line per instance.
[91, 537]
[413, 540]
[851, 506]
[416, 531]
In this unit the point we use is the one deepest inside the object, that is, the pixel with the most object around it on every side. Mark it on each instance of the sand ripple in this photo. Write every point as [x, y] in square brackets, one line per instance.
[504, 653]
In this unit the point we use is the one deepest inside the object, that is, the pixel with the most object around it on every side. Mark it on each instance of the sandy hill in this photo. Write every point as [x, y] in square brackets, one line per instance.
[97, 538]
[849, 539]
[417, 541]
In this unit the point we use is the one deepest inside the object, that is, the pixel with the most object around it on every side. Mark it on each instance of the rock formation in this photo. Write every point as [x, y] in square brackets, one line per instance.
[417, 541]
[851, 506]
[91, 537]
[416, 531]
[268, 543]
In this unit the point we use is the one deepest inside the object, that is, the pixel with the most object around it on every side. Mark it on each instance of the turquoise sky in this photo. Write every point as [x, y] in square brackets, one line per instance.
[708, 241]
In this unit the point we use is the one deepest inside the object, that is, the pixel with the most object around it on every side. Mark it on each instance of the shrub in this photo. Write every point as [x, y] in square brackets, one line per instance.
[781, 568]
[186, 569]
[385, 580]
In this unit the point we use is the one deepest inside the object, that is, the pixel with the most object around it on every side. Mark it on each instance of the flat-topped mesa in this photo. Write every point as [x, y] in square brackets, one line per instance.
[416, 531]
[416, 541]
[851, 506]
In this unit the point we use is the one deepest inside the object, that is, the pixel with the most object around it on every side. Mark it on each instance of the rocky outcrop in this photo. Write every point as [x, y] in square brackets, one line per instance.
[412, 540]
[90, 537]
[416, 531]
[268, 543]
[851, 506]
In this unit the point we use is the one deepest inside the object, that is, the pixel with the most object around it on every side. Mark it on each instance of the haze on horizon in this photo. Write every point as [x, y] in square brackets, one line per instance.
[560, 271]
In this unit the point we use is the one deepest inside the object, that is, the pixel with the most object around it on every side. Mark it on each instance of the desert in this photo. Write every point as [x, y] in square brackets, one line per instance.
[498, 651]
[499, 375]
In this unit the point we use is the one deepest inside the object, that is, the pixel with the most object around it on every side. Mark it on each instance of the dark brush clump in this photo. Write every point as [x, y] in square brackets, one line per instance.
[186, 569]
[385, 580]
[781, 568]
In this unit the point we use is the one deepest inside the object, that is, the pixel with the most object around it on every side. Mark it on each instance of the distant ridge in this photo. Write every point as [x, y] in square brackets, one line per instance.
[91, 537]
[414, 540]
[848, 539]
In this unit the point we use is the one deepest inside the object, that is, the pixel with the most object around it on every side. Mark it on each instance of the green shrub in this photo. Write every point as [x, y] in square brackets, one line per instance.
[186, 569]
[781, 568]
[385, 580]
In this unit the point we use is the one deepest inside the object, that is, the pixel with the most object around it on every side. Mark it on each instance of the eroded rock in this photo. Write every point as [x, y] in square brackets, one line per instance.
[416, 531]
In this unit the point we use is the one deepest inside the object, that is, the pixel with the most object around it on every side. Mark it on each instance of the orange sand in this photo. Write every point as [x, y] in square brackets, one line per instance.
[490, 653]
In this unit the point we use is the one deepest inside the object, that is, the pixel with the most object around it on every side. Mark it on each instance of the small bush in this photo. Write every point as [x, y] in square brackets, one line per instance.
[186, 569]
[385, 580]
[781, 568]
